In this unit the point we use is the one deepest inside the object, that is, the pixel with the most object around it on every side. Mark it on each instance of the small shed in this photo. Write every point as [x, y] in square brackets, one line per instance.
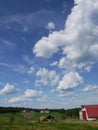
[89, 112]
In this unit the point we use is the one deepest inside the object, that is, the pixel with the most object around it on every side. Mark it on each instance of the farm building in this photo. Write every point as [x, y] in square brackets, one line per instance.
[44, 111]
[89, 112]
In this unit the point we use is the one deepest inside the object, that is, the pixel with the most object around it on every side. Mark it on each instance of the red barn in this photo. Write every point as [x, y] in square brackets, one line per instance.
[89, 112]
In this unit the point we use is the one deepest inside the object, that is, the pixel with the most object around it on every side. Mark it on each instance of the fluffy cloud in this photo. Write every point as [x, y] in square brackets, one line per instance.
[79, 39]
[94, 50]
[90, 88]
[70, 81]
[55, 63]
[77, 45]
[50, 26]
[28, 95]
[47, 46]
[46, 77]
[81, 31]
[17, 100]
[8, 89]
[66, 64]
[69, 65]
[31, 70]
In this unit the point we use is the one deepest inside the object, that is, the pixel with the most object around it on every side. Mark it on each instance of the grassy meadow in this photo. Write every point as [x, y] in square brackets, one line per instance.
[57, 124]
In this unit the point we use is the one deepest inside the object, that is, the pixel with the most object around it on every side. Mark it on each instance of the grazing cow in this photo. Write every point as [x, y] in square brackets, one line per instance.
[50, 118]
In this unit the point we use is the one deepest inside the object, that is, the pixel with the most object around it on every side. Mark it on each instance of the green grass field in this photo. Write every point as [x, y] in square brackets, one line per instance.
[20, 124]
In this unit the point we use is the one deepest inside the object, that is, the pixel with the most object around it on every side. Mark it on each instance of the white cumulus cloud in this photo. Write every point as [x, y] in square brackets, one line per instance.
[17, 100]
[47, 46]
[90, 88]
[46, 77]
[31, 70]
[77, 45]
[29, 93]
[79, 39]
[70, 81]
[27, 96]
[50, 26]
[8, 89]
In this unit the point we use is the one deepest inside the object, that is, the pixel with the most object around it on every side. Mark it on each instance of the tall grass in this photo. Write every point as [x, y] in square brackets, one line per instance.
[27, 125]
[20, 124]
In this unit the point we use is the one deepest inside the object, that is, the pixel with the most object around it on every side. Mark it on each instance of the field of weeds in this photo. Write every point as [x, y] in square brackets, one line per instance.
[69, 124]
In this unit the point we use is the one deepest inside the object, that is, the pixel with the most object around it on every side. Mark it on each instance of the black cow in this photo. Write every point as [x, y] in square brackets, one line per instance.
[50, 118]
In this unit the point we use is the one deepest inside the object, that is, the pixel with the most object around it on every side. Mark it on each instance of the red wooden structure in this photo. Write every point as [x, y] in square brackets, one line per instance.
[89, 112]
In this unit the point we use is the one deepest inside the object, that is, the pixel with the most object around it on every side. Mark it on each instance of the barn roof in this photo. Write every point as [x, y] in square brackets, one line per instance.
[92, 110]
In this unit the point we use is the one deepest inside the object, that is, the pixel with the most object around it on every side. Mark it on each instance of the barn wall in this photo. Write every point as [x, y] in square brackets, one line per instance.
[84, 115]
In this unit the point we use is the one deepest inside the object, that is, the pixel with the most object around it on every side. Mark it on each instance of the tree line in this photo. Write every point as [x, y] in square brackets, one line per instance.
[65, 113]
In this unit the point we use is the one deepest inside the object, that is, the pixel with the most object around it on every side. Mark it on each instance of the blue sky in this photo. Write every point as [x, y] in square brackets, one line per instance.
[48, 53]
